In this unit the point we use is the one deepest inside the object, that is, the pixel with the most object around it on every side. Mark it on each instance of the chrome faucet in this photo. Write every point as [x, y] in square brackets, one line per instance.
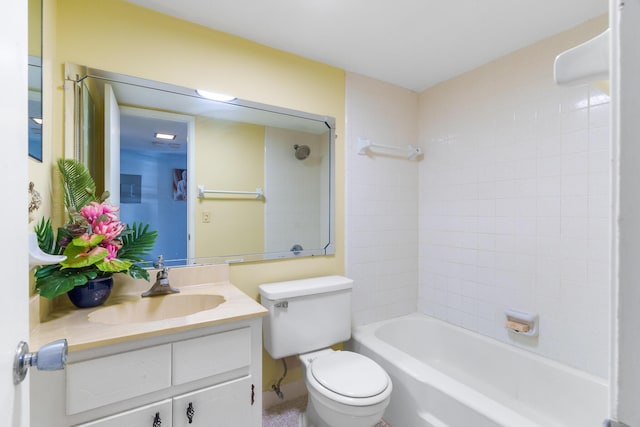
[161, 286]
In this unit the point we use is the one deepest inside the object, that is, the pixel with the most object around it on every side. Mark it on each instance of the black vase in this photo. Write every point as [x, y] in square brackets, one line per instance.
[93, 293]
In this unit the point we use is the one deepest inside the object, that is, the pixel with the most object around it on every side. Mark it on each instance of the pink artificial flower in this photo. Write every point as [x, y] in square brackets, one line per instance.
[113, 251]
[110, 230]
[96, 210]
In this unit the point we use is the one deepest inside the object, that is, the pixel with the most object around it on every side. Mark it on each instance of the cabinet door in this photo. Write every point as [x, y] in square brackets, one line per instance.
[225, 405]
[154, 415]
[216, 354]
[99, 382]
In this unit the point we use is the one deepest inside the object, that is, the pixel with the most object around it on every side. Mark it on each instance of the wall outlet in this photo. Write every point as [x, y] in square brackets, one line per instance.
[206, 217]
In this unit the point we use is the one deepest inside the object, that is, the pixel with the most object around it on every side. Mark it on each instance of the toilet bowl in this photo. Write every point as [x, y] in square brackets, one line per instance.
[345, 390]
[305, 318]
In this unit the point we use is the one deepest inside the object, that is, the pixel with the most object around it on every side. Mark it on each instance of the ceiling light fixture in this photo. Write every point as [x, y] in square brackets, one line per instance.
[215, 96]
[168, 136]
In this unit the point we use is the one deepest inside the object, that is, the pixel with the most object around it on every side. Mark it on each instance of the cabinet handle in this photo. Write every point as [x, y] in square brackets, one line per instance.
[253, 394]
[157, 422]
[190, 412]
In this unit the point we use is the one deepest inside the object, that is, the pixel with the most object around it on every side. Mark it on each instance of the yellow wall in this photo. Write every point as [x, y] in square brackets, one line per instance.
[40, 172]
[35, 28]
[229, 156]
[117, 36]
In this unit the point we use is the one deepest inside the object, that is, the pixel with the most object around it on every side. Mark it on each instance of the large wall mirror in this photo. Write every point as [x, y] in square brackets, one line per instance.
[221, 180]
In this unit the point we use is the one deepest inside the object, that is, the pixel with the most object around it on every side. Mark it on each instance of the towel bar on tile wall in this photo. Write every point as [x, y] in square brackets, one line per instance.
[259, 193]
[366, 145]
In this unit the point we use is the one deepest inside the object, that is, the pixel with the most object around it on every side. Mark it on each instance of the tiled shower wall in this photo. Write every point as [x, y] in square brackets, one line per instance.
[515, 203]
[510, 203]
[382, 202]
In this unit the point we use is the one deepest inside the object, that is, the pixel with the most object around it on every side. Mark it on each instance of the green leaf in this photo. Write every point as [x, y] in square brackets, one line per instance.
[137, 241]
[93, 240]
[46, 270]
[46, 238]
[113, 265]
[60, 282]
[78, 257]
[78, 184]
[138, 272]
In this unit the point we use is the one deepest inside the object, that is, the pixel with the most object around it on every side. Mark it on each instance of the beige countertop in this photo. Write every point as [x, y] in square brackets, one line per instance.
[81, 333]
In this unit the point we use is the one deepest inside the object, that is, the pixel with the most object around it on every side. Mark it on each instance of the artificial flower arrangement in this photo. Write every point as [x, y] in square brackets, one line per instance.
[96, 244]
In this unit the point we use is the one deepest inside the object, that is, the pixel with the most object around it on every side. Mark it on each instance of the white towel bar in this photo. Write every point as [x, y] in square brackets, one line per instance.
[365, 145]
[259, 193]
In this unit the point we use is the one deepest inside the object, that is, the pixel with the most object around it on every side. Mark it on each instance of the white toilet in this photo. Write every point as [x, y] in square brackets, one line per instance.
[305, 318]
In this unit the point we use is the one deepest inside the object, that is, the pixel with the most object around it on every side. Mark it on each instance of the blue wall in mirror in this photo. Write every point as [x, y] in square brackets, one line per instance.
[154, 201]
[35, 108]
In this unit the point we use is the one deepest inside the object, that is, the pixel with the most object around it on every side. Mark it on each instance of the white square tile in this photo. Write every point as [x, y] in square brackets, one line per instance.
[573, 164]
[549, 226]
[573, 121]
[599, 115]
[599, 206]
[575, 227]
[575, 206]
[599, 184]
[575, 185]
[575, 142]
[600, 139]
[574, 98]
[599, 229]
[549, 166]
[599, 161]
[550, 146]
[549, 186]
[549, 207]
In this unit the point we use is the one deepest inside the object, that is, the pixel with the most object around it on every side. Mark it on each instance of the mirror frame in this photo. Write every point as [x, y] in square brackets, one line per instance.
[75, 74]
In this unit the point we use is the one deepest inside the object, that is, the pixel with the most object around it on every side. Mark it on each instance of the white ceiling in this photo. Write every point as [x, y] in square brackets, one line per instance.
[411, 43]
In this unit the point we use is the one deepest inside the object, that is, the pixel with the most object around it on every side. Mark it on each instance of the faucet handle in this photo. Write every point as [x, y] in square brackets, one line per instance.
[159, 263]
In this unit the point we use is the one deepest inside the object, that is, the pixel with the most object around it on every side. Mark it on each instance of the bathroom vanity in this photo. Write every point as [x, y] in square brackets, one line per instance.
[197, 369]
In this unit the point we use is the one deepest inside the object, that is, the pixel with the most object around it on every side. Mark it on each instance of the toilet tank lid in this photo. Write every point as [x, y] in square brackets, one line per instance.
[301, 287]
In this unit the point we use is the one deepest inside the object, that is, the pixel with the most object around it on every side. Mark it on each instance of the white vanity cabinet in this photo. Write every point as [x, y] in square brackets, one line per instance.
[208, 376]
[156, 414]
[221, 405]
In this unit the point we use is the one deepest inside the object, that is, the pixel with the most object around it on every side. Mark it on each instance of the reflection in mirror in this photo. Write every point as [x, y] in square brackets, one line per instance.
[230, 181]
[35, 79]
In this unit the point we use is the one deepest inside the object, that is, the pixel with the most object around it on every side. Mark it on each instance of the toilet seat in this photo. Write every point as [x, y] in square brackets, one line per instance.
[349, 378]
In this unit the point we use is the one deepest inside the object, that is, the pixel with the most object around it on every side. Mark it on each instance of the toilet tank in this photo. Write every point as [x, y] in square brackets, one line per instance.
[306, 315]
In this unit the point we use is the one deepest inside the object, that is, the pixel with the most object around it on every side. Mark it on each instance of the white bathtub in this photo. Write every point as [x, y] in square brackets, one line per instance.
[446, 376]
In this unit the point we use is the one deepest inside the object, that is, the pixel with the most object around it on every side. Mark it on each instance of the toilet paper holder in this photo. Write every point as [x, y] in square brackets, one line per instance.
[522, 323]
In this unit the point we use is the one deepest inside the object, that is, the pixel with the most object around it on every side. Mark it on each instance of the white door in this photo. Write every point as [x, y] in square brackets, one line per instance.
[111, 145]
[14, 400]
[625, 93]
[176, 219]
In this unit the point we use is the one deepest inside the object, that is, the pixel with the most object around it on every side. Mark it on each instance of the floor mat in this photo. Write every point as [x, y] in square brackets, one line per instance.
[286, 414]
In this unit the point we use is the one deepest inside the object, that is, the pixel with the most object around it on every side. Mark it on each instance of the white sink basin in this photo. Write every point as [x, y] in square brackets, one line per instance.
[155, 308]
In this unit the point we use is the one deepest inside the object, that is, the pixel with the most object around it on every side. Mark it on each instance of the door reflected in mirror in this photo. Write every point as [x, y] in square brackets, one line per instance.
[265, 173]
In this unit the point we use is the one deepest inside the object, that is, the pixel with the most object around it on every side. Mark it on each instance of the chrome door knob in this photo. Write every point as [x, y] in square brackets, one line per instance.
[51, 357]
